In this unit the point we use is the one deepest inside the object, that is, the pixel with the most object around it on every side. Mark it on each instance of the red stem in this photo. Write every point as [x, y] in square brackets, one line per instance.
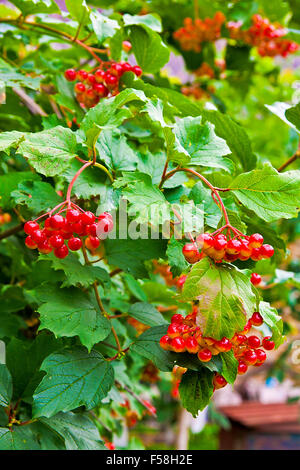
[74, 179]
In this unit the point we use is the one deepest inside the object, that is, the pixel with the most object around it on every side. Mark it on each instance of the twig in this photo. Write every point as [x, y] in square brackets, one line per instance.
[115, 272]
[289, 161]
[33, 107]
[11, 231]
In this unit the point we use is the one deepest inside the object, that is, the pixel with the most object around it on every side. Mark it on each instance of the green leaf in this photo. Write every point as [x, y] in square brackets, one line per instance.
[38, 196]
[281, 110]
[24, 358]
[271, 195]
[77, 430]
[229, 366]
[235, 137]
[115, 152]
[146, 313]
[149, 50]
[225, 296]
[49, 151]
[32, 7]
[195, 390]
[130, 255]
[151, 21]
[76, 273]
[176, 260]
[10, 140]
[134, 287]
[14, 79]
[78, 10]
[293, 115]
[70, 313]
[200, 145]
[274, 321]
[147, 345]
[104, 27]
[74, 378]
[5, 386]
[9, 183]
[21, 438]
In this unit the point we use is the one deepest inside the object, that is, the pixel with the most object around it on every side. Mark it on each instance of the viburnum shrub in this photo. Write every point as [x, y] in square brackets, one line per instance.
[144, 237]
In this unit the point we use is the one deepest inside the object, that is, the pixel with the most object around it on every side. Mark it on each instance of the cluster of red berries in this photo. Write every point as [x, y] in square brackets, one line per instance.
[104, 82]
[110, 445]
[5, 218]
[185, 336]
[266, 36]
[220, 248]
[165, 271]
[62, 234]
[197, 92]
[195, 32]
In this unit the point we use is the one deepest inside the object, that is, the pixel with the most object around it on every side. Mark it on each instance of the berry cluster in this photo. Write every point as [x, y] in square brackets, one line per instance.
[195, 32]
[165, 271]
[62, 234]
[220, 248]
[266, 36]
[5, 218]
[197, 92]
[185, 336]
[104, 82]
[205, 70]
[150, 373]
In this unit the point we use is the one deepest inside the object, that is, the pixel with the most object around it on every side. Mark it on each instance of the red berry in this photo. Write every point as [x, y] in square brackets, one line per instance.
[30, 243]
[246, 251]
[234, 247]
[94, 241]
[178, 344]
[267, 343]
[192, 345]
[256, 319]
[261, 355]
[73, 215]
[253, 341]
[191, 252]
[78, 227]
[255, 279]
[205, 241]
[45, 247]
[173, 330]
[100, 76]
[242, 367]
[266, 251]
[91, 229]
[126, 45]
[38, 236]
[256, 240]
[239, 339]
[82, 75]
[56, 241]
[181, 281]
[80, 87]
[87, 218]
[137, 70]
[70, 75]
[250, 357]
[116, 69]
[256, 254]
[101, 89]
[220, 242]
[219, 381]
[111, 80]
[223, 345]
[177, 318]
[165, 342]
[61, 252]
[126, 67]
[91, 79]
[30, 227]
[75, 244]
[56, 221]
[204, 355]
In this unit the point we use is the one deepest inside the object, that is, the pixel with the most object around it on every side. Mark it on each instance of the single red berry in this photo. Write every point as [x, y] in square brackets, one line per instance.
[137, 70]
[111, 80]
[31, 227]
[165, 342]
[256, 319]
[101, 89]
[242, 367]
[30, 243]
[253, 341]
[223, 345]
[82, 75]
[91, 79]
[267, 343]
[70, 75]
[192, 345]
[38, 236]
[256, 254]
[73, 215]
[56, 241]
[100, 76]
[80, 87]
[234, 246]
[78, 227]
[91, 229]
[219, 381]
[246, 251]
[205, 241]
[266, 251]
[74, 244]
[173, 330]
[177, 318]
[94, 241]
[261, 355]
[181, 281]
[126, 45]
[250, 357]
[204, 355]
[256, 240]
[239, 339]
[110, 445]
[61, 252]
[116, 69]
[56, 222]
[191, 252]
[220, 243]
[255, 279]
[87, 218]
[126, 67]
[45, 247]
[178, 344]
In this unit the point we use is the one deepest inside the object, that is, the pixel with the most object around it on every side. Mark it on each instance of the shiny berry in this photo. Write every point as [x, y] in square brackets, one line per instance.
[256, 240]
[61, 252]
[204, 355]
[261, 355]
[82, 75]
[126, 67]
[267, 343]
[256, 319]
[137, 70]
[191, 253]
[177, 318]
[242, 368]
[223, 345]
[70, 75]
[30, 243]
[93, 241]
[101, 90]
[78, 227]
[56, 241]
[116, 69]
[253, 341]
[87, 218]
[234, 246]
[219, 381]
[100, 76]
[220, 243]
[165, 342]
[173, 330]
[80, 87]
[205, 241]
[250, 357]
[178, 344]
[30, 227]
[126, 46]
[56, 221]
[45, 247]
[38, 236]
[266, 251]
[255, 279]
[192, 345]
[111, 80]
[239, 339]
[73, 215]
[74, 244]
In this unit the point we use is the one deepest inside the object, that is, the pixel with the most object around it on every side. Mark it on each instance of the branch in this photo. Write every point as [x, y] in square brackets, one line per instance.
[33, 107]
[11, 231]
[289, 161]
